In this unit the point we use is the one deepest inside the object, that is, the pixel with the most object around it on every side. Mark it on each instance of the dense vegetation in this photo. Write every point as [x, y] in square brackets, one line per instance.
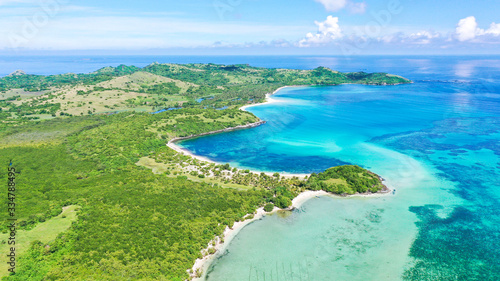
[347, 179]
[130, 217]
[203, 74]
[135, 224]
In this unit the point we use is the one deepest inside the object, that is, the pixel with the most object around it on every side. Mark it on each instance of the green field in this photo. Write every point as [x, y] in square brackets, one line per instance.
[44, 232]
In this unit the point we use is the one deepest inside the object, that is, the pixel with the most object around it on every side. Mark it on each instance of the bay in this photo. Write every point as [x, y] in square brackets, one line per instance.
[437, 141]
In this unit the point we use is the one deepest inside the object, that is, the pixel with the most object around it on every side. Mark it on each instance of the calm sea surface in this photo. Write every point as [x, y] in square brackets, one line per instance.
[437, 141]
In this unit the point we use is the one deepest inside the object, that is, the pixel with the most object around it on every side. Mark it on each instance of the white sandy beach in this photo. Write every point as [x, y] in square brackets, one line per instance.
[179, 149]
[229, 233]
[269, 99]
[202, 158]
[188, 153]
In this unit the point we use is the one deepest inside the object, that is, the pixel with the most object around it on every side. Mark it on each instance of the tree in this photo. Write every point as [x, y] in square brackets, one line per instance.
[269, 207]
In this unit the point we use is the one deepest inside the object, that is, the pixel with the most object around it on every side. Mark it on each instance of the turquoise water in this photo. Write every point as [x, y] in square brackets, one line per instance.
[437, 141]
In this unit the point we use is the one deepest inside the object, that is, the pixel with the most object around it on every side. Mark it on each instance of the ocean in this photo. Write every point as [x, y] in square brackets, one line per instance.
[436, 141]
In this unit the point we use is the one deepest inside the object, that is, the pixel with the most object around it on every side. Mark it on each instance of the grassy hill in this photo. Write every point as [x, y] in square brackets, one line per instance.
[157, 86]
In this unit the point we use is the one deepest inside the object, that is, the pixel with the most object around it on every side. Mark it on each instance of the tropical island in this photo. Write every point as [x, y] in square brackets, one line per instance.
[94, 166]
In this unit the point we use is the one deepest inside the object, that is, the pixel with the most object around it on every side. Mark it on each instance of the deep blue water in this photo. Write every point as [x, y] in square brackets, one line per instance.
[437, 141]
[47, 65]
[416, 67]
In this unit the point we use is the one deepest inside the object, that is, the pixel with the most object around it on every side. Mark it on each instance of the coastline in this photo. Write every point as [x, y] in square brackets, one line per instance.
[239, 127]
[186, 152]
[171, 143]
[220, 243]
[268, 98]
[229, 233]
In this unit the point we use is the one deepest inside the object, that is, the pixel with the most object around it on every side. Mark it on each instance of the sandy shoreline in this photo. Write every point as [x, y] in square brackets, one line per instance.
[171, 143]
[202, 158]
[202, 265]
[268, 99]
[229, 233]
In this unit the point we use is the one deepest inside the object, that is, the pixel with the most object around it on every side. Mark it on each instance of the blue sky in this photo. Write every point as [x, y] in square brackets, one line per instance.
[336, 27]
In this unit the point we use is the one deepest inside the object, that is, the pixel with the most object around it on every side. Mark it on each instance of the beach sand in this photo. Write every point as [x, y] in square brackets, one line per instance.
[202, 158]
[203, 264]
[229, 233]
[184, 151]
[269, 99]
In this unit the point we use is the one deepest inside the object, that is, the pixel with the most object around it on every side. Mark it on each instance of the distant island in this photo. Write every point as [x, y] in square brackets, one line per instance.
[103, 194]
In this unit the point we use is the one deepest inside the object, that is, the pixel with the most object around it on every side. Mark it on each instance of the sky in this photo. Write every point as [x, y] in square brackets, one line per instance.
[256, 27]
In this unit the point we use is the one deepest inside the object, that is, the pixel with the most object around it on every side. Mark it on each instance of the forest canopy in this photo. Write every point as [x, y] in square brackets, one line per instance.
[145, 211]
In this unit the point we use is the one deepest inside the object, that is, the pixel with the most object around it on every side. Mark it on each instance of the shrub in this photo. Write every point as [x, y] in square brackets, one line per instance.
[269, 207]
[281, 201]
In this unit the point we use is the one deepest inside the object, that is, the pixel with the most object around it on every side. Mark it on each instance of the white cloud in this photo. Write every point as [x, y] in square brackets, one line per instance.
[328, 31]
[467, 29]
[337, 5]
[280, 43]
[355, 39]
[330, 27]
[330, 34]
[423, 37]
[494, 29]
